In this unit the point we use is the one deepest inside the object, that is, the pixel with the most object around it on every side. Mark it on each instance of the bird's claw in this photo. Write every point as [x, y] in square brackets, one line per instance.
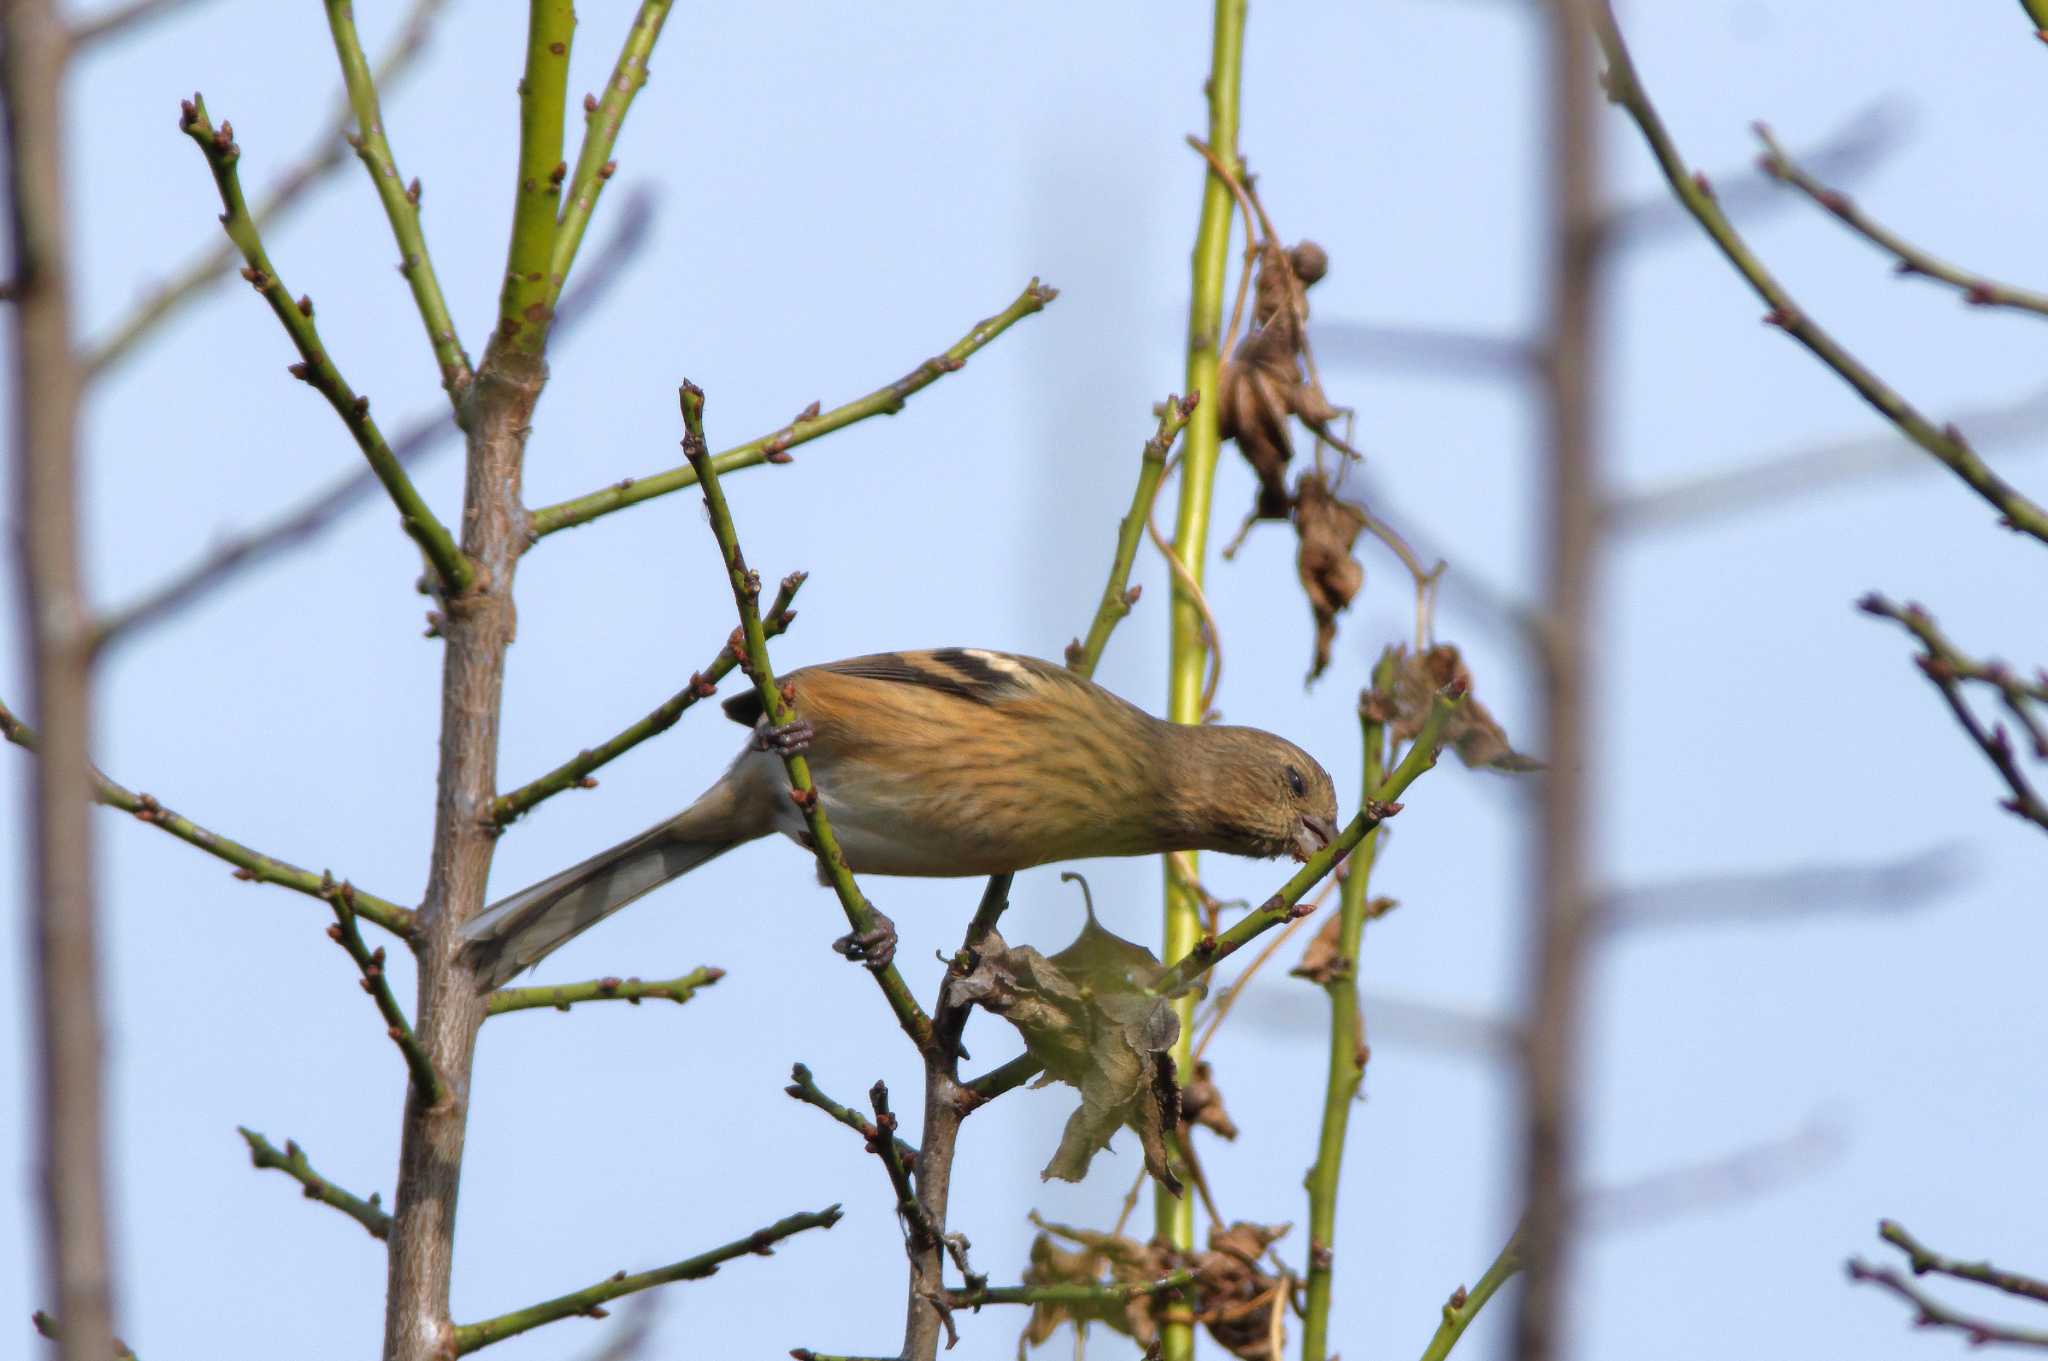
[874, 947]
[785, 739]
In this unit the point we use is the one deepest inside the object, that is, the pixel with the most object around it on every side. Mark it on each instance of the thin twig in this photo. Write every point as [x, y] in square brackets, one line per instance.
[401, 203]
[1068, 1294]
[1117, 594]
[775, 446]
[1189, 588]
[1900, 885]
[1946, 444]
[803, 1087]
[468, 1337]
[250, 865]
[315, 366]
[1932, 1313]
[746, 592]
[118, 21]
[602, 119]
[1464, 1305]
[575, 772]
[294, 1164]
[371, 962]
[1977, 290]
[320, 160]
[562, 996]
[422, 438]
[524, 296]
[1924, 1259]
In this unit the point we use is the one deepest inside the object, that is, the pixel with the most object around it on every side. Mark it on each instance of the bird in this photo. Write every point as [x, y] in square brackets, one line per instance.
[943, 763]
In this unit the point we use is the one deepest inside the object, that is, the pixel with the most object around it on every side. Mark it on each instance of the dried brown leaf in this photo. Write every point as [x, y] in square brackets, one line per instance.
[1236, 1296]
[1331, 575]
[1261, 385]
[1086, 1015]
[1472, 731]
[1319, 962]
[1202, 1104]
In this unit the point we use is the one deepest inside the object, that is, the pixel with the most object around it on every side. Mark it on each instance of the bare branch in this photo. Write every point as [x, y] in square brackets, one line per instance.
[562, 996]
[294, 1164]
[1901, 885]
[803, 1087]
[371, 964]
[1932, 1313]
[1924, 1259]
[120, 20]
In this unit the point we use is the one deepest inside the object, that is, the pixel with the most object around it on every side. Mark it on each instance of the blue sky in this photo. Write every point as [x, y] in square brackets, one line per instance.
[842, 190]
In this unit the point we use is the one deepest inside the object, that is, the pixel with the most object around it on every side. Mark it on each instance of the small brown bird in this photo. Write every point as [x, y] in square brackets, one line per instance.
[947, 763]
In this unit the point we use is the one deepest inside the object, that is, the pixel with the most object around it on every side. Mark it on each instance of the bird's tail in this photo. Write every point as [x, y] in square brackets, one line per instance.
[518, 932]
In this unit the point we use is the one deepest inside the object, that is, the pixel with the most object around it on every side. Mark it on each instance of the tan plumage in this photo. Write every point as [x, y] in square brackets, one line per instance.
[946, 763]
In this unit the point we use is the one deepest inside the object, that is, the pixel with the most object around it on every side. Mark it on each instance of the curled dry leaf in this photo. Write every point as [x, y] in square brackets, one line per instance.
[1086, 1015]
[1202, 1104]
[1236, 1295]
[1320, 962]
[1262, 385]
[1472, 731]
[1128, 1262]
[1330, 574]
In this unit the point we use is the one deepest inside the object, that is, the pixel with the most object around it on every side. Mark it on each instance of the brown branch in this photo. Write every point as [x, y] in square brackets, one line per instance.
[294, 1164]
[1552, 1087]
[418, 441]
[68, 1115]
[803, 1087]
[249, 864]
[1932, 1313]
[1977, 289]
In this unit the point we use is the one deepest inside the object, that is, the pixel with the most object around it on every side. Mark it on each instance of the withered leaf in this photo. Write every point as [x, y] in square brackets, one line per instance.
[1472, 732]
[1262, 384]
[1236, 1295]
[1330, 575]
[1202, 1104]
[1085, 1014]
[1128, 1262]
[1319, 962]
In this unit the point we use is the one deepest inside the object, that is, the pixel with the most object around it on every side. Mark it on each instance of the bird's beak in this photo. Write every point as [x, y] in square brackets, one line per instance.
[1312, 834]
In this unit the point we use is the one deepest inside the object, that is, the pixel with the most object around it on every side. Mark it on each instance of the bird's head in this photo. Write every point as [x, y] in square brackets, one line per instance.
[1256, 794]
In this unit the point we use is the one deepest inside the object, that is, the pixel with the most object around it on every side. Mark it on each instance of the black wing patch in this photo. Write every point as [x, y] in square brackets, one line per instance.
[957, 671]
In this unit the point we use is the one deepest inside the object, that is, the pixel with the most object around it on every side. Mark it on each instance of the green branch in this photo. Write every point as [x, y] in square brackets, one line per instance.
[341, 897]
[1068, 1293]
[252, 865]
[775, 446]
[1464, 1305]
[802, 1087]
[1924, 1259]
[293, 1163]
[602, 119]
[1693, 191]
[1347, 1055]
[562, 996]
[575, 772]
[1117, 594]
[468, 1337]
[746, 594]
[526, 302]
[316, 367]
[401, 201]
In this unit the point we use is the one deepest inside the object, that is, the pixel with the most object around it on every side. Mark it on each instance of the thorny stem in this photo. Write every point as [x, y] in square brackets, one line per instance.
[1117, 596]
[1174, 1217]
[1464, 1305]
[294, 1164]
[575, 772]
[316, 367]
[251, 865]
[371, 963]
[526, 302]
[746, 592]
[68, 1096]
[775, 446]
[1568, 662]
[562, 996]
[1946, 444]
[401, 202]
[1348, 1052]
[602, 119]
[469, 1337]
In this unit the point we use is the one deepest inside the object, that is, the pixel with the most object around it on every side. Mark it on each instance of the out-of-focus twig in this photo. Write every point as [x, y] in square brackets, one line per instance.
[1924, 1259]
[1746, 1173]
[1929, 1312]
[121, 20]
[1900, 885]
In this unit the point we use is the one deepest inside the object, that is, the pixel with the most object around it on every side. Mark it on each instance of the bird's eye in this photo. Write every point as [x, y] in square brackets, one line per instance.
[1296, 783]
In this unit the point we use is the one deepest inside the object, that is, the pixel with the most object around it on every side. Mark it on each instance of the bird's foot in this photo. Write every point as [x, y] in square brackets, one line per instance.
[785, 739]
[874, 947]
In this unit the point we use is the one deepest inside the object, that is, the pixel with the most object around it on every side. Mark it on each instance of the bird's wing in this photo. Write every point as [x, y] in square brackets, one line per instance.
[972, 674]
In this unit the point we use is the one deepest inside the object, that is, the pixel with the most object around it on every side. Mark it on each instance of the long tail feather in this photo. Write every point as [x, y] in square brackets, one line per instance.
[516, 933]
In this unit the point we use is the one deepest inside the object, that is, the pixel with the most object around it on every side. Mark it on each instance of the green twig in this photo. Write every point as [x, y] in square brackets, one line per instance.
[803, 1087]
[468, 1337]
[886, 1146]
[602, 119]
[294, 1164]
[562, 996]
[401, 202]
[746, 593]
[575, 772]
[775, 446]
[1187, 658]
[1347, 1055]
[252, 865]
[315, 365]
[525, 306]
[1946, 443]
[341, 897]
[1068, 1293]
[323, 155]
[1924, 1259]
[1464, 1305]
[1118, 595]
